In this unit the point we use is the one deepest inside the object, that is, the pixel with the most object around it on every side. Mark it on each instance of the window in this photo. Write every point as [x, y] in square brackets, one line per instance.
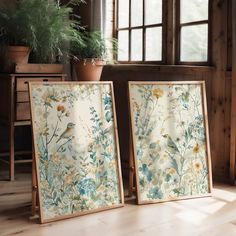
[193, 30]
[143, 35]
[140, 30]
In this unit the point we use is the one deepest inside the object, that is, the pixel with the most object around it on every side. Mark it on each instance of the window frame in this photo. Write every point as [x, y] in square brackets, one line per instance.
[163, 25]
[178, 36]
[171, 36]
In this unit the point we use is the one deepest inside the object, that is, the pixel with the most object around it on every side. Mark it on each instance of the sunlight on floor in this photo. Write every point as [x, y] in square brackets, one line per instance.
[224, 195]
[192, 216]
[197, 211]
[213, 208]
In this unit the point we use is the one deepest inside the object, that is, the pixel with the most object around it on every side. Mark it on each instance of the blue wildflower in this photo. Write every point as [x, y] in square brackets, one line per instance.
[107, 100]
[87, 187]
[145, 171]
[155, 193]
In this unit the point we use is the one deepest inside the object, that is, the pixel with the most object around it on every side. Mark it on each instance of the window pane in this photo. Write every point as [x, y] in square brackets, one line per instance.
[123, 13]
[194, 43]
[136, 12]
[154, 44]
[137, 45]
[193, 10]
[123, 45]
[153, 12]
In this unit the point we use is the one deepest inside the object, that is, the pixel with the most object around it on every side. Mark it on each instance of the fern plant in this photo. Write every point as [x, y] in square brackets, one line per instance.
[15, 26]
[94, 46]
[45, 25]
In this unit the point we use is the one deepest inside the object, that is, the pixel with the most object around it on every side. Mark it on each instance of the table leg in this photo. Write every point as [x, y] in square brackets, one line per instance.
[12, 151]
[131, 168]
[34, 187]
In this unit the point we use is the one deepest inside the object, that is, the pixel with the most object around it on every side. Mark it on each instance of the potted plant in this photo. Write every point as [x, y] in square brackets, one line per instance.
[90, 56]
[16, 36]
[45, 26]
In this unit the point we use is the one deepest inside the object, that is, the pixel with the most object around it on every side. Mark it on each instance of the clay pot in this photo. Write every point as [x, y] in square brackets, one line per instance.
[14, 55]
[88, 69]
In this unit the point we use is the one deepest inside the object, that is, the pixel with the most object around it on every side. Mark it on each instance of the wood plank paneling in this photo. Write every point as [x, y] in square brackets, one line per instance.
[227, 125]
[170, 44]
[233, 106]
[217, 115]
[229, 35]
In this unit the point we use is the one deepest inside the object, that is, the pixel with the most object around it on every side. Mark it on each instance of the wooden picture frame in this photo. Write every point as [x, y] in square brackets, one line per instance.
[76, 148]
[170, 140]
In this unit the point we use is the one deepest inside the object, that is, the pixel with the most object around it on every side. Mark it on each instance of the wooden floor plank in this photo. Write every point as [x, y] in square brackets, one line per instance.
[213, 216]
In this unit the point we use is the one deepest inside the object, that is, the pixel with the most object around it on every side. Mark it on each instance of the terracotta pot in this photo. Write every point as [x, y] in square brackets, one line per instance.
[15, 54]
[88, 69]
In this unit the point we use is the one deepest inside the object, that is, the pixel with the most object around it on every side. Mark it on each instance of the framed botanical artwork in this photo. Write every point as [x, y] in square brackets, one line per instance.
[76, 148]
[170, 140]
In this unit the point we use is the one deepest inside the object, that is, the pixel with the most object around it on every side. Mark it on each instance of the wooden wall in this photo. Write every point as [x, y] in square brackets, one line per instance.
[217, 77]
[233, 99]
[221, 89]
[84, 11]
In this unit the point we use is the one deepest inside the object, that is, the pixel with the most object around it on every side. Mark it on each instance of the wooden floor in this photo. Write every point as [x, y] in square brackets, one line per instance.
[213, 216]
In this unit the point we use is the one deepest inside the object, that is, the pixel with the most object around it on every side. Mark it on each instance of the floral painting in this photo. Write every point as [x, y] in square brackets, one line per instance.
[76, 148]
[170, 140]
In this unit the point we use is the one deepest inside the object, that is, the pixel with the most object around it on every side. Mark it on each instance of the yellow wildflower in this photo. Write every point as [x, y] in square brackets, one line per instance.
[158, 93]
[50, 96]
[56, 158]
[165, 156]
[171, 171]
[44, 184]
[69, 179]
[48, 100]
[112, 164]
[109, 149]
[196, 149]
[197, 166]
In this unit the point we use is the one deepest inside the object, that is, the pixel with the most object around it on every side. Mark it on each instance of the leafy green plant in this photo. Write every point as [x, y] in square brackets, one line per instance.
[56, 30]
[94, 46]
[15, 26]
[45, 25]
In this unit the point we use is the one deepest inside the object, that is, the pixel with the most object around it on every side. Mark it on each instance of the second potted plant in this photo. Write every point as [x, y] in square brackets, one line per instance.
[90, 56]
